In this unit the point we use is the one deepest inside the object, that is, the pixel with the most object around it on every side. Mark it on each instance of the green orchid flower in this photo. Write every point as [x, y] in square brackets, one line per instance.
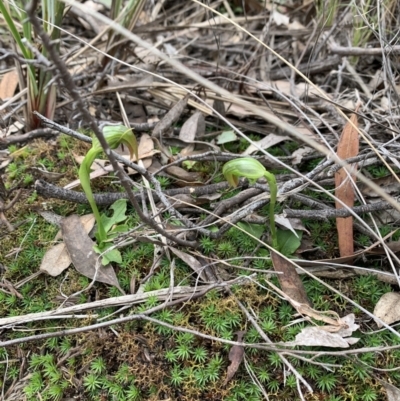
[253, 170]
[115, 136]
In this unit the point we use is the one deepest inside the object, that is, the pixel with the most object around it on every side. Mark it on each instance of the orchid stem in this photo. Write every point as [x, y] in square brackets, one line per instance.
[273, 190]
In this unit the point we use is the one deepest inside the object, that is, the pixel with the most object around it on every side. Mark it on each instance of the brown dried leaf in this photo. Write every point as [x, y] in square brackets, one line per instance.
[185, 200]
[146, 146]
[330, 317]
[393, 393]
[285, 87]
[8, 84]
[209, 197]
[348, 147]
[84, 258]
[236, 355]
[183, 174]
[388, 308]
[265, 143]
[87, 220]
[390, 184]
[5, 158]
[318, 337]
[237, 110]
[191, 261]
[55, 260]
[192, 127]
[146, 164]
[289, 280]
[290, 224]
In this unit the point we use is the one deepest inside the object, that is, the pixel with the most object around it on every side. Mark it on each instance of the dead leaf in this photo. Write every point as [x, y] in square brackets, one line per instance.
[193, 127]
[285, 87]
[170, 118]
[185, 200]
[348, 325]
[388, 308]
[226, 137]
[146, 146]
[236, 355]
[8, 84]
[374, 249]
[297, 155]
[317, 337]
[191, 261]
[295, 26]
[290, 224]
[87, 221]
[390, 184]
[331, 318]
[289, 280]
[17, 126]
[394, 246]
[145, 162]
[392, 392]
[146, 55]
[84, 258]
[5, 158]
[183, 175]
[280, 19]
[348, 147]
[55, 260]
[307, 90]
[236, 110]
[265, 143]
[209, 197]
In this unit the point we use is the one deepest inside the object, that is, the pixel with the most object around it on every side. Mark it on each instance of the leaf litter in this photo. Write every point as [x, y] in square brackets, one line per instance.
[185, 130]
[80, 249]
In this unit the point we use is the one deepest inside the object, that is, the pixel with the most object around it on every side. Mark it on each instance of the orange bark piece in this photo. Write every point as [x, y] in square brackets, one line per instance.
[8, 84]
[348, 147]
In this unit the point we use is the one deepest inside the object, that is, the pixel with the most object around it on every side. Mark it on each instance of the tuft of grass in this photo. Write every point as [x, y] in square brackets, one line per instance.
[41, 91]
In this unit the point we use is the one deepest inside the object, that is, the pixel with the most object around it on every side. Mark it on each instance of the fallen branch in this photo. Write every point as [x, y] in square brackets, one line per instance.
[48, 190]
[361, 51]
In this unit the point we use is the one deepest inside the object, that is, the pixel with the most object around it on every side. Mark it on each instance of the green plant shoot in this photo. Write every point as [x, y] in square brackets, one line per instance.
[253, 170]
[114, 135]
[41, 93]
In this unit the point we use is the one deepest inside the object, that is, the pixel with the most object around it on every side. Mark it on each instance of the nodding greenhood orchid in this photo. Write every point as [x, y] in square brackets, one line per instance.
[252, 169]
[115, 136]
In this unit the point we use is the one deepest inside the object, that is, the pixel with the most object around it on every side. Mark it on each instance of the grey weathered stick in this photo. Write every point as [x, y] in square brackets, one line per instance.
[361, 51]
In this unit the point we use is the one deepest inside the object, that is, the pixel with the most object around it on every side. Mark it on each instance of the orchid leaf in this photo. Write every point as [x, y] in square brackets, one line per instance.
[288, 242]
[119, 210]
[256, 230]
